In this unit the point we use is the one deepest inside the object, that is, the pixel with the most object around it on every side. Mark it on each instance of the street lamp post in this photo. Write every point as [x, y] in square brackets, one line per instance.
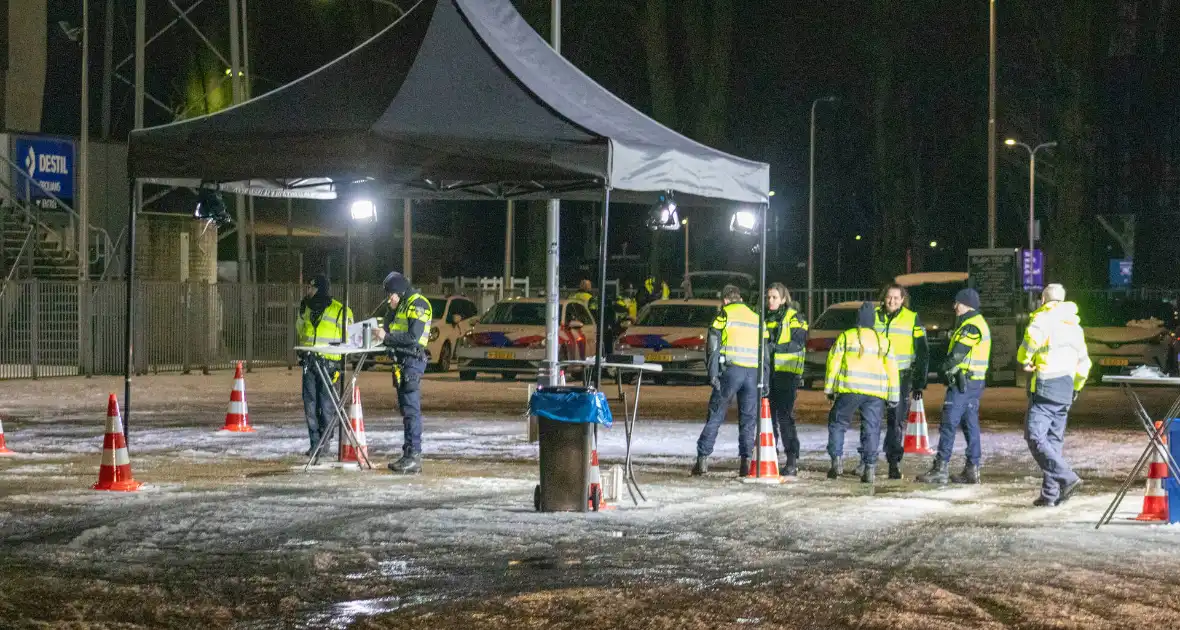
[1032, 183]
[684, 222]
[811, 214]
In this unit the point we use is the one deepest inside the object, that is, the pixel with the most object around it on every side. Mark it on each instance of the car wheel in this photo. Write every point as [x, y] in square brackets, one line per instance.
[444, 358]
[467, 376]
[508, 376]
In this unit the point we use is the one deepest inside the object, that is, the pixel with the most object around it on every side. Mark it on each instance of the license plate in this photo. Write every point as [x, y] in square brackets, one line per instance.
[501, 354]
[659, 357]
[1114, 362]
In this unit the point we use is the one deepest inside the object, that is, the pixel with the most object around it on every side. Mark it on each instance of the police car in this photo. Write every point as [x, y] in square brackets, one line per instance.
[510, 338]
[672, 334]
[454, 316]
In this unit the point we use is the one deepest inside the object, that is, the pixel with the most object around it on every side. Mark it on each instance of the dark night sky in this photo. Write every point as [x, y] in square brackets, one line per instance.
[786, 54]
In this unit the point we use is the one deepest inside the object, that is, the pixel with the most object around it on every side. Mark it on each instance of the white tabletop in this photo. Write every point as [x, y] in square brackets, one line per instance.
[638, 367]
[1142, 380]
[340, 349]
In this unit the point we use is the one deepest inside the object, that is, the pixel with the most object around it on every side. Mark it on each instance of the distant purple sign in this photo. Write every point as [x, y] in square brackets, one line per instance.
[1032, 269]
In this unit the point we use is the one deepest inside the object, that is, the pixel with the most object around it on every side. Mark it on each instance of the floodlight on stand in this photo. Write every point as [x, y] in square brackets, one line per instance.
[362, 210]
[744, 222]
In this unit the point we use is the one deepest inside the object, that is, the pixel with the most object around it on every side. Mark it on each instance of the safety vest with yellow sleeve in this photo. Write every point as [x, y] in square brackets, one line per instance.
[416, 306]
[781, 333]
[329, 328]
[739, 334]
[860, 363]
[649, 285]
[976, 362]
[900, 331]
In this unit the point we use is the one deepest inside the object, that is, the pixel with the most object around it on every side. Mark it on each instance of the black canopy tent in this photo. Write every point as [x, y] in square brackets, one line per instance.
[457, 99]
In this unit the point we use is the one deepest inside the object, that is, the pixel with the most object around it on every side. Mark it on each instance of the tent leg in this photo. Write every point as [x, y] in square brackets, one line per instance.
[603, 305]
[552, 304]
[129, 265]
[762, 384]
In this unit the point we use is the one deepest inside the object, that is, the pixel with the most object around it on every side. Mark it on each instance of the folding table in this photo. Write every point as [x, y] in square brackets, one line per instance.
[313, 355]
[1129, 383]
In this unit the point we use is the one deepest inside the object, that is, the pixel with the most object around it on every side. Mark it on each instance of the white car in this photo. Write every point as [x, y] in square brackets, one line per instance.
[672, 334]
[510, 338]
[453, 317]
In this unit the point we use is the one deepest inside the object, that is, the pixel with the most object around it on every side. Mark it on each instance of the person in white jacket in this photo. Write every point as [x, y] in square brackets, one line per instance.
[1054, 350]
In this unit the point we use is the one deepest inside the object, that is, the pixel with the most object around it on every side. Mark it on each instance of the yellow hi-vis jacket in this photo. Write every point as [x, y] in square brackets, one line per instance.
[330, 328]
[976, 362]
[739, 334]
[416, 306]
[787, 361]
[1055, 346]
[900, 331]
[860, 363]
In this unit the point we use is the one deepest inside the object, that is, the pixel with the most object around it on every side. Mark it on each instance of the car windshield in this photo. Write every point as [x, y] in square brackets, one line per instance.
[678, 315]
[518, 313]
[935, 303]
[836, 319]
[438, 306]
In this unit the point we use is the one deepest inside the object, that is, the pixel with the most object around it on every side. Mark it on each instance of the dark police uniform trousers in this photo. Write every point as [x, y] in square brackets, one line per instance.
[743, 383]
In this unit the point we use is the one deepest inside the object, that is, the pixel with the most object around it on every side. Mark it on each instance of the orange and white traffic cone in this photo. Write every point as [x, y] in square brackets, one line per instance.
[764, 466]
[561, 379]
[917, 434]
[596, 492]
[114, 473]
[356, 419]
[1155, 498]
[237, 417]
[4, 450]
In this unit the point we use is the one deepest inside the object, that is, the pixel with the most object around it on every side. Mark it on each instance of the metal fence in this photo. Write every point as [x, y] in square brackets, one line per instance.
[45, 330]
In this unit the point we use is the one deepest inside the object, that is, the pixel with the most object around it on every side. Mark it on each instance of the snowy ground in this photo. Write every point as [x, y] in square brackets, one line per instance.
[229, 532]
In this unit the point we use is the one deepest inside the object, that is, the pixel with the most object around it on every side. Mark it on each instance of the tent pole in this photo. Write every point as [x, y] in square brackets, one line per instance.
[552, 306]
[129, 265]
[603, 308]
[762, 384]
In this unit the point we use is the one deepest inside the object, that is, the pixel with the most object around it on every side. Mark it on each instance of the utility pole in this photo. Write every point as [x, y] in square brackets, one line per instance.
[235, 67]
[108, 48]
[407, 239]
[991, 127]
[553, 240]
[811, 214]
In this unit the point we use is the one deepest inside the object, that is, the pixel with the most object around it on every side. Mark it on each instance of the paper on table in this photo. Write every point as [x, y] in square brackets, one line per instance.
[356, 332]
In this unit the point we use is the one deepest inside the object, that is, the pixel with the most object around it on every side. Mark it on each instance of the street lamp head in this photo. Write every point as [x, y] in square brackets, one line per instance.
[363, 209]
[771, 193]
[1010, 142]
[933, 244]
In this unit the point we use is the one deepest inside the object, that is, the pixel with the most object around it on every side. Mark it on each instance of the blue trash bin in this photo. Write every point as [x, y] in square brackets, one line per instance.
[566, 420]
[1171, 484]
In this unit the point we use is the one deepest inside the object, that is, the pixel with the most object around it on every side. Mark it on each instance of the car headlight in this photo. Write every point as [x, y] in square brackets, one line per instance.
[464, 341]
[434, 334]
[537, 344]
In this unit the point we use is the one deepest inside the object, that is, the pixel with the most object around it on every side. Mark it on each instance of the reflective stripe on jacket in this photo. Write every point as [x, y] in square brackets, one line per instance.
[414, 307]
[739, 334]
[976, 362]
[860, 363]
[330, 328]
[900, 330]
[788, 361]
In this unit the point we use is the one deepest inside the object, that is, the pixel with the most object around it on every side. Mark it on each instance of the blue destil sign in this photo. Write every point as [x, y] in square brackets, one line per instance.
[46, 166]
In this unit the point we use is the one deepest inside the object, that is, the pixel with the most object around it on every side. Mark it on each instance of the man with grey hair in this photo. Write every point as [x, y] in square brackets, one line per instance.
[1054, 350]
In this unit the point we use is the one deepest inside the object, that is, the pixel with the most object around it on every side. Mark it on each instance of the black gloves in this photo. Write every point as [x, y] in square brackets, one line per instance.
[891, 404]
[916, 394]
[715, 382]
[831, 398]
[1076, 393]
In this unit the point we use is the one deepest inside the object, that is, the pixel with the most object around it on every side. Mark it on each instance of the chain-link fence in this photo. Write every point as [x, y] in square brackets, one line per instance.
[45, 330]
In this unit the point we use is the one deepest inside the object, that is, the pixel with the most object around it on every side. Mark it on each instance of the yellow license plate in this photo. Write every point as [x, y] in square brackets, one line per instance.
[659, 357]
[1114, 362]
[501, 354]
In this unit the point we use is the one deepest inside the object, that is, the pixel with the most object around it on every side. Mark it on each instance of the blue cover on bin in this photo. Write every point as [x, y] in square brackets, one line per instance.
[576, 405]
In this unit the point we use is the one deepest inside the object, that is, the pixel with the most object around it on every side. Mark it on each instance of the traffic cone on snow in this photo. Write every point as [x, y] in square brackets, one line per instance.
[561, 379]
[237, 417]
[596, 493]
[764, 466]
[4, 450]
[1155, 498]
[114, 473]
[356, 419]
[917, 434]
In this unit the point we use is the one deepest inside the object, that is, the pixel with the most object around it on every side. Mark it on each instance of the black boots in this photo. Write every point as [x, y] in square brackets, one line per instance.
[867, 474]
[837, 468]
[701, 467]
[937, 473]
[744, 469]
[409, 464]
[970, 474]
[791, 468]
[894, 471]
